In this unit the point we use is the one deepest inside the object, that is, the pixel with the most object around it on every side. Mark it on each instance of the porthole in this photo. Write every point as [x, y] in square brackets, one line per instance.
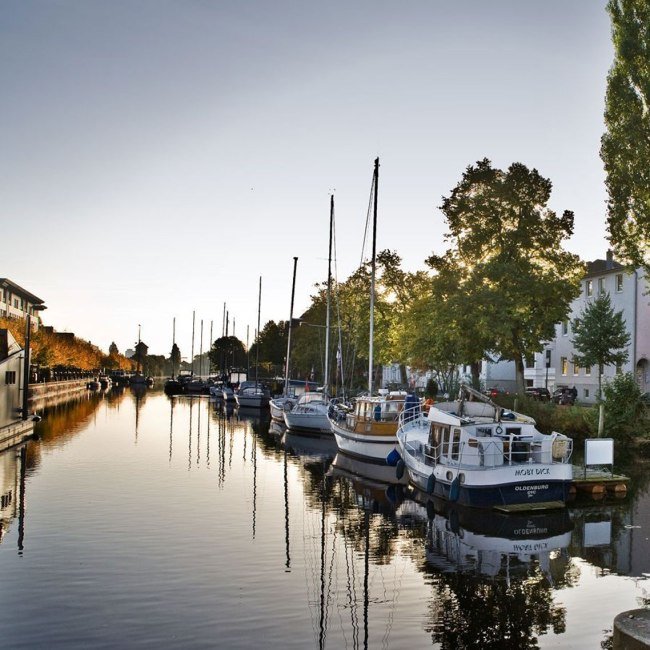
[449, 475]
[461, 477]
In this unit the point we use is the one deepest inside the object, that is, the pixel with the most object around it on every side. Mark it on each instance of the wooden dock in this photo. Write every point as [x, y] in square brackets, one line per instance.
[596, 482]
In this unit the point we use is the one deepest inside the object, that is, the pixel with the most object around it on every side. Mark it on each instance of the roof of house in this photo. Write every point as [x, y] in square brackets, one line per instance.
[16, 288]
[600, 267]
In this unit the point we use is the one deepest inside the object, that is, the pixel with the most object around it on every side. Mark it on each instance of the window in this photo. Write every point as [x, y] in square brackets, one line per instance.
[601, 286]
[619, 368]
[16, 303]
[586, 392]
[565, 327]
[619, 282]
[576, 368]
[10, 377]
[530, 361]
[589, 288]
[588, 371]
[564, 362]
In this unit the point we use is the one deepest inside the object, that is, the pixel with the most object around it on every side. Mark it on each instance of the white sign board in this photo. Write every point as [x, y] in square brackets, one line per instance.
[597, 533]
[599, 451]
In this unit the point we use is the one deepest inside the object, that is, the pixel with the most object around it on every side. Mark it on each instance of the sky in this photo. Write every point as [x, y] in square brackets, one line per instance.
[158, 157]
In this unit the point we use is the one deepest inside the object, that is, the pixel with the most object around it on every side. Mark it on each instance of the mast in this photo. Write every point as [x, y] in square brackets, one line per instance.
[293, 293]
[372, 276]
[201, 352]
[193, 320]
[257, 347]
[326, 385]
[173, 343]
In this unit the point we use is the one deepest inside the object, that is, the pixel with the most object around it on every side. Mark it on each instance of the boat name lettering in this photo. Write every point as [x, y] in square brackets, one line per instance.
[530, 471]
[531, 488]
[530, 548]
[530, 531]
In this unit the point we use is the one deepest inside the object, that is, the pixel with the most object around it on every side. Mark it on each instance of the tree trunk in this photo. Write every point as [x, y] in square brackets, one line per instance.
[475, 367]
[521, 383]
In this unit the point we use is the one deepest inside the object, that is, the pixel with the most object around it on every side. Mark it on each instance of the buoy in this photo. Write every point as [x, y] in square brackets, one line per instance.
[431, 483]
[399, 469]
[454, 489]
[393, 458]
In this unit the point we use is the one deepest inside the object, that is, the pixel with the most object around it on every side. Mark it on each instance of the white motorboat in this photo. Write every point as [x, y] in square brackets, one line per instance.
[279, 405]
[309, 415]
[476, 453]
[253, 397]
[367, 431]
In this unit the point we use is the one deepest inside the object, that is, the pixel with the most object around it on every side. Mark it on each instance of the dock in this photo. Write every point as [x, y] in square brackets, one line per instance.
[597, 482]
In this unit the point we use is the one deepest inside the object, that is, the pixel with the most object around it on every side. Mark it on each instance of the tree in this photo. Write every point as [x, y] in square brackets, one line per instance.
[600, 336]
[227, 352]
[112, 349]
[514, 279]
[175, 358]
[625, 146]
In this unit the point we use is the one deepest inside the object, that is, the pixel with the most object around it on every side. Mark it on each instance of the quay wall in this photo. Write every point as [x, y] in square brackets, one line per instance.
[39, 393]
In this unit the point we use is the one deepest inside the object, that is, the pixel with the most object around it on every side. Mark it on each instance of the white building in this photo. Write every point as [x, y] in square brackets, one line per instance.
[627, 293]
[16, 302]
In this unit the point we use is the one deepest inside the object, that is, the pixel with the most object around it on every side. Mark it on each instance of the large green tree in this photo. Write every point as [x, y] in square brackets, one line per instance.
[600, 336]
[626, 143]
[514, 280]
[227, 352]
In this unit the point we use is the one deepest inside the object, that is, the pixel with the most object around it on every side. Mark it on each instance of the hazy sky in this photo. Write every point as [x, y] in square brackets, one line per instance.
[159, 156]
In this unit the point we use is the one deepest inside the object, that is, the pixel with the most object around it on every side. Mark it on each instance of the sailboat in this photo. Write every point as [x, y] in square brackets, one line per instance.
[310, 413]
[367, 431]
[287, 401]
[255, 396]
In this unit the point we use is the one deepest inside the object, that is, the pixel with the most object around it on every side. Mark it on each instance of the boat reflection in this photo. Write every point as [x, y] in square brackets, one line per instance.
[489, 543]
[353, 468]
[313, 446]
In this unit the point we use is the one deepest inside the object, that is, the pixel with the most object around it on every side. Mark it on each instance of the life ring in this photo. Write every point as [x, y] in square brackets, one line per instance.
[499, 430]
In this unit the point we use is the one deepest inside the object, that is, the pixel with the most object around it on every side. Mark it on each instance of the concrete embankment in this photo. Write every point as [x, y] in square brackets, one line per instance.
[632, 630]
[53, 390]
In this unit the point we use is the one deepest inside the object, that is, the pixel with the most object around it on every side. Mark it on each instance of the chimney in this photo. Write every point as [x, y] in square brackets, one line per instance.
[609, 264]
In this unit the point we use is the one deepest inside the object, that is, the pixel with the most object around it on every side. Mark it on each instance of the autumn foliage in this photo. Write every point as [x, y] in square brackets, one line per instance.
[62, 349]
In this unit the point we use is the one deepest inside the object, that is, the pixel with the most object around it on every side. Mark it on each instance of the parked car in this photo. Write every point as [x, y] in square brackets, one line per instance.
[541, 394]
[565, 396]
[495, 391]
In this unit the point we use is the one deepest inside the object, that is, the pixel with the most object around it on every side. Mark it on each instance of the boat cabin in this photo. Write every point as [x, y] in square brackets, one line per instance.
[487, 441]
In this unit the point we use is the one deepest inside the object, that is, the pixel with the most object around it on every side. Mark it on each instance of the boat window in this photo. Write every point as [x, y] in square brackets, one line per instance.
[453, 449]
[484, 431]
[514, 431]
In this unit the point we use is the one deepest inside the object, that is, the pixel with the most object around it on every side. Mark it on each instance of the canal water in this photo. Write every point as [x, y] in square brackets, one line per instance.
[136, 520]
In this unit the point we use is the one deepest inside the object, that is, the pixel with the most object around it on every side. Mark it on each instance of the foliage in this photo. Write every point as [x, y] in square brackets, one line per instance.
[625, 410]
[514, 280]
[175, 359]
[574, 421]
[625, 146]
[600, 336]
[227, 352]
[63, 349]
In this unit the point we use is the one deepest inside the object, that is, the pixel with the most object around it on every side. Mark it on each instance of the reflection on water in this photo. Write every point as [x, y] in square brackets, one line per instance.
[141, 520]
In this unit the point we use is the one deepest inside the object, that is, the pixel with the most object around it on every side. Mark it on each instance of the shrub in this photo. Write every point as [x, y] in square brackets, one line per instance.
[625, 410]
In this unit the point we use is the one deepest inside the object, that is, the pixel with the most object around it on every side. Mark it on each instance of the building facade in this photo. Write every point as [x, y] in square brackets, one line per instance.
[16, 302]
[628, 292]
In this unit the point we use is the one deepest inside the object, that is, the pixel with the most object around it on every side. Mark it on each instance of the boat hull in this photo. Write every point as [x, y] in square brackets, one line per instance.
[372, 448]
[307, 422]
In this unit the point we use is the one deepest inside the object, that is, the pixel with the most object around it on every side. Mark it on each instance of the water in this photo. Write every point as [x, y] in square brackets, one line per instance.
[140, 521]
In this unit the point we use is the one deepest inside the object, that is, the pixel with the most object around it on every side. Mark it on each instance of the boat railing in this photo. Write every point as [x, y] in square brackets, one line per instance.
[412, 415]
[491, 453]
